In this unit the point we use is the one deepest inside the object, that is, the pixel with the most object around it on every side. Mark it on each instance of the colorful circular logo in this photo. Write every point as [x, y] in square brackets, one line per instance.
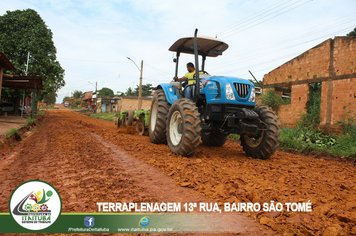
[35, 205]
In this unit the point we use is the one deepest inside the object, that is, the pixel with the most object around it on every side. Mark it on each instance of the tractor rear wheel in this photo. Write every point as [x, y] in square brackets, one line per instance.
[213, 139]
[158, 116]
[183, 127]
[129, 118]
[266, 142]
[140, 127]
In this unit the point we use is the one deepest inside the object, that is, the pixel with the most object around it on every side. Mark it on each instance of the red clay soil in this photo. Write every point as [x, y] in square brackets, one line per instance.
[89, 160]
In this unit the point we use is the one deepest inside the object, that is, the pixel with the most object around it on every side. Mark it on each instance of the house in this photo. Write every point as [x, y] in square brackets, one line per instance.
[87, 99]
[117, 104]
[131, 103]
[107, 104]
[33, 83]
[331, 65]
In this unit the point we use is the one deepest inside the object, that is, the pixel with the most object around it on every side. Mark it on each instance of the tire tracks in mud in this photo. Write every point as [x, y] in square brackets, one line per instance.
[70, 154]
[154, 183]
[86, 169]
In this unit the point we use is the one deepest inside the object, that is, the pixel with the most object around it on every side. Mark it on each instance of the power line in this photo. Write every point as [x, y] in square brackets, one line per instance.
[251, 17]
[268, 61]
[268, 49]
[258, 23]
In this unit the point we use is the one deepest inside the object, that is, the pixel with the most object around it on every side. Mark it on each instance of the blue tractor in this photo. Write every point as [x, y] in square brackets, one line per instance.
[220, 106]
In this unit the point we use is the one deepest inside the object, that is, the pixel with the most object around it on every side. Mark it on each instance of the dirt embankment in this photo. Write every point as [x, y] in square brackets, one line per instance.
[75, 154]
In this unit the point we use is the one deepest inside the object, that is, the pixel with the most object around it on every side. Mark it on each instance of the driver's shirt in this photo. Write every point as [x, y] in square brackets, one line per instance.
[191, 77]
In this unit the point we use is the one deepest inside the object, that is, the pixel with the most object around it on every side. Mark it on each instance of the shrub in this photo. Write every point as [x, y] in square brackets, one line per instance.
[273, 100]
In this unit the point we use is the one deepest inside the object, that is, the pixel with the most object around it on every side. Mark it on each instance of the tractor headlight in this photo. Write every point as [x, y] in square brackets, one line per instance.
[253, 95]
[229, 92]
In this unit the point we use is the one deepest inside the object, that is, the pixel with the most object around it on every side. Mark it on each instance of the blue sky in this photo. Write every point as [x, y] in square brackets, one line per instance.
[93, 38]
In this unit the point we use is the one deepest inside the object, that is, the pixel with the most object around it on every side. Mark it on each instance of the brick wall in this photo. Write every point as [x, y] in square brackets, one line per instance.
[289, 114]
[343, 100]
[333, 63]
[132, 104]
[312, 64]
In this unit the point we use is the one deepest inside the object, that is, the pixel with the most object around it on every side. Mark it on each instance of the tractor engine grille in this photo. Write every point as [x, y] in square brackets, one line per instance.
[242, 89]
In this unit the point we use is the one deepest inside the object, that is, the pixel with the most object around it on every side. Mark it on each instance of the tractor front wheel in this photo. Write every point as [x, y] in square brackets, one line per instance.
[183, 127]
[266, 142]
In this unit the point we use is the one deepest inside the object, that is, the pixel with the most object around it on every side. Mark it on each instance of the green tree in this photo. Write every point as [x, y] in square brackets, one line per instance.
[129, 92]
[259, 84]
[146, 90]
[106, 92]
[23, 31]
[77, 94]
[77, 103]
[66, 99]
[49, 98]
[352, 33]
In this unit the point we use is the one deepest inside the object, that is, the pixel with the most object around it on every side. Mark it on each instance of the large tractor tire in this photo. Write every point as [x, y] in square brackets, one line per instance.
[213, 139]
[266, 142]
[129, 118]
[158, 116]
[183, 127]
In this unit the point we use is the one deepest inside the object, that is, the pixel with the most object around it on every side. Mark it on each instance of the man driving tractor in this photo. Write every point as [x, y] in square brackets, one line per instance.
[190, 76]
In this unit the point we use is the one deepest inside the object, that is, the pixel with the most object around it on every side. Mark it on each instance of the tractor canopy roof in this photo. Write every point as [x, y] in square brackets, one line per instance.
[207, 46]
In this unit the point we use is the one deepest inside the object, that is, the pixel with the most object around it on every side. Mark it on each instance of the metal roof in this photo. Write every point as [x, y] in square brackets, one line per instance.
[206, 45]
[5, 62]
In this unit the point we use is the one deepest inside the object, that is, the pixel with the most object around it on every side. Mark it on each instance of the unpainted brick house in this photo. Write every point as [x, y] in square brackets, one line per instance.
[131, 103]
[331, 63]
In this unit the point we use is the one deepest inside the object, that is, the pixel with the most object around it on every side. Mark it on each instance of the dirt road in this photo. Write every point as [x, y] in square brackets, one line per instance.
[89, 161]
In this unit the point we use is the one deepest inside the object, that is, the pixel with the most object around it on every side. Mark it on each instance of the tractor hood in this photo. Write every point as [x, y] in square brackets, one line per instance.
[215, 88]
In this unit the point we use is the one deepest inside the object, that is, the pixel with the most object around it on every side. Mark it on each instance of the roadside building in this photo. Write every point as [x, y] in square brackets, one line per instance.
[131, 103]
[331, 65]
[87, 99]
[5, 64]
[107, 104]
[117, 104]
[31, 83]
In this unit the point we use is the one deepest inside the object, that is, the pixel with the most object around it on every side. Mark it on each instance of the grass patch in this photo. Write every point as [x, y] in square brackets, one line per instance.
[234, 136]
[305, 138]
[75, 108]
[41, 113]
[11, 132]
[105, 116]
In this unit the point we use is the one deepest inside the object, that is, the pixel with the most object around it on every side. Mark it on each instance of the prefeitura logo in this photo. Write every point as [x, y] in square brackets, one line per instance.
[35, 205]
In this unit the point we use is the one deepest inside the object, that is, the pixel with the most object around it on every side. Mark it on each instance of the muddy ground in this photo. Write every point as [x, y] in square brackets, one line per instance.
[89, 160]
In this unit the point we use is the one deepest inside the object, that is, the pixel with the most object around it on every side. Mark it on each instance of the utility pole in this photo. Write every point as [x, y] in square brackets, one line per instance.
[23, 97]
[140, 88]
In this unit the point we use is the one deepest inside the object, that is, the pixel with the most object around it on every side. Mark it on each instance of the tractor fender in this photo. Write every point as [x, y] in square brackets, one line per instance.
[169, 91]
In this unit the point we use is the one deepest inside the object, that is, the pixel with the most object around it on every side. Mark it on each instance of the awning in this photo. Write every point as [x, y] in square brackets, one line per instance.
[207, 45]
[5, 62]
[22, 82]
